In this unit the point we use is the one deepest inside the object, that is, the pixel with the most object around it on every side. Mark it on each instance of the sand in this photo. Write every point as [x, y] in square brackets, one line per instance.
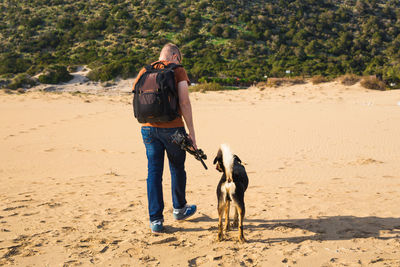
[323, 163]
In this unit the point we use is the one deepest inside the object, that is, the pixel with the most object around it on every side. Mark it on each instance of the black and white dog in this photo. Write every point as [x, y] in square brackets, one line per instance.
[231, 187]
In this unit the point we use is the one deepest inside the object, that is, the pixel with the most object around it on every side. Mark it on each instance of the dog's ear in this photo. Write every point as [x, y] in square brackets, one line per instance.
[218, 161]
[237, 158]
[218, 157]
[218, 167]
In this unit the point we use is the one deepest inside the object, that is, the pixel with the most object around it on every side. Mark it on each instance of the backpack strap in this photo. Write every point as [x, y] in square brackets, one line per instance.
[169, 66]
[173, 66]
[151, 66]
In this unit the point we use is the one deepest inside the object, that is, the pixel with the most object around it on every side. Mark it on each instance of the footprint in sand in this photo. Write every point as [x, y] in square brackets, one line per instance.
[388, 176]
[22, 200]
[68, 229]
[197, 261]
[103, 225]
[365, 161]
[14, 208]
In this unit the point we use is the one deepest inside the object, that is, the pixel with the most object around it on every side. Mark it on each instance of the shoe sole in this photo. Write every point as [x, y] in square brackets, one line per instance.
[186, 216]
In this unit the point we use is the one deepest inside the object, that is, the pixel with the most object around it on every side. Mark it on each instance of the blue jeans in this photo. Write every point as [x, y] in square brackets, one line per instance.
[157, 141]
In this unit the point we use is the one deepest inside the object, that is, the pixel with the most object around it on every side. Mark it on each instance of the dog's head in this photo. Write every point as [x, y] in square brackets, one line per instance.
[220, 163]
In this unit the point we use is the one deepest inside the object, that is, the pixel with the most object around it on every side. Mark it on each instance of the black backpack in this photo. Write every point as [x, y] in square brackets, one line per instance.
[155, 96]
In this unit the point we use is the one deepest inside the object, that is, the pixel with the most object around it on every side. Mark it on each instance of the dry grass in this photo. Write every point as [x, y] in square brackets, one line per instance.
[276, 82]
[319, 79]
[349, 79]
[373, 83]
[203, 87]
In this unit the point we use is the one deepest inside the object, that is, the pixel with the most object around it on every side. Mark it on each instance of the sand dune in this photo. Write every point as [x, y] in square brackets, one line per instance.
[323, 164]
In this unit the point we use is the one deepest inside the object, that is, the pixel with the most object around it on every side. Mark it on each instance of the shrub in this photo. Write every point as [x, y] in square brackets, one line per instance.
[21, 81]
[13, 63]
[228, 32]
[122, 14]
[276, 82]
[65, 23]
[349, 79]
[203, 87]
[34, 22]
[105, 72]
[392, 75]
[72, 68]
[124, 68]
[49, 39]
[319, 79]
[4, 83]
[34, 69]
[373, 83]
[216, 30]
[55, 74]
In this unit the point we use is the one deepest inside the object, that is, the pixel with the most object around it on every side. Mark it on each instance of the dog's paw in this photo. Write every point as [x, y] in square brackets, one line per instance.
[242, 240]
[220, 238]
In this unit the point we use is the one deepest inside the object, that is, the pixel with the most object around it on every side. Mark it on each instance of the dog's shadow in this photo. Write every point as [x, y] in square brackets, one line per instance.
[321, 229]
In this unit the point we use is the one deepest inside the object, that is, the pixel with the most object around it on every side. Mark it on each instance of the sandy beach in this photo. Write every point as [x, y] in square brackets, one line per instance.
[323, 163]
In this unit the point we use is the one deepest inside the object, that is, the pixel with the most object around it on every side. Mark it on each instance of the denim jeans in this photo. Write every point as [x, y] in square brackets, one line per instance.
[157, 141]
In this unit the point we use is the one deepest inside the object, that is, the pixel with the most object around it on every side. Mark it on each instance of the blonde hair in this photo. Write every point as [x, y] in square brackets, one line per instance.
[170, 50]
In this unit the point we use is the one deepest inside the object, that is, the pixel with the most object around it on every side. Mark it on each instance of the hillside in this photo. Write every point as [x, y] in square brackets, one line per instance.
[245, 39]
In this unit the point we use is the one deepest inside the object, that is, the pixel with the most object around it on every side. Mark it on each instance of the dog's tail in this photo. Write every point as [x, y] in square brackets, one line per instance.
[227, 157]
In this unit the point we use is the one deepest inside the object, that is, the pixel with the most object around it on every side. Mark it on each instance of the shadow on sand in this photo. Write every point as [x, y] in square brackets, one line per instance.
[324, 228]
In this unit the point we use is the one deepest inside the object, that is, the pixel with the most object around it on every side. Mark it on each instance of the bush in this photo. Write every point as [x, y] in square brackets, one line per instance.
[55, 74]
[319, 79]
[203, 87]
[276, 82]
[34, 69]
[13, 63]
[230, 81]
[21, 81]
[4, 83]
[373, 83]
[349, 79]
[216, 30]
[65, 23]
[105, 72]
[392, 74]
[72, 68]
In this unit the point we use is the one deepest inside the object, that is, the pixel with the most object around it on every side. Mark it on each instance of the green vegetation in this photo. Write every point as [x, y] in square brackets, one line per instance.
[203, 87]
[55, 74]
[21, 81]
[245, 40]
[373, 83]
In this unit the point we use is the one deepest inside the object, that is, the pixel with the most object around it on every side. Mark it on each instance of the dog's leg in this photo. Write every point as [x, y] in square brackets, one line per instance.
[227, 207]
[221, 206]
[235, 219]
[241, 211]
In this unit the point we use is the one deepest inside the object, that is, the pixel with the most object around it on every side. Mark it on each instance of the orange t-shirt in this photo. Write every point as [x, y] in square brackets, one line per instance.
[180, 75]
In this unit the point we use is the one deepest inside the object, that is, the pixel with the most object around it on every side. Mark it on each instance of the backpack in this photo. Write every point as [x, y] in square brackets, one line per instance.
[155, 96]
